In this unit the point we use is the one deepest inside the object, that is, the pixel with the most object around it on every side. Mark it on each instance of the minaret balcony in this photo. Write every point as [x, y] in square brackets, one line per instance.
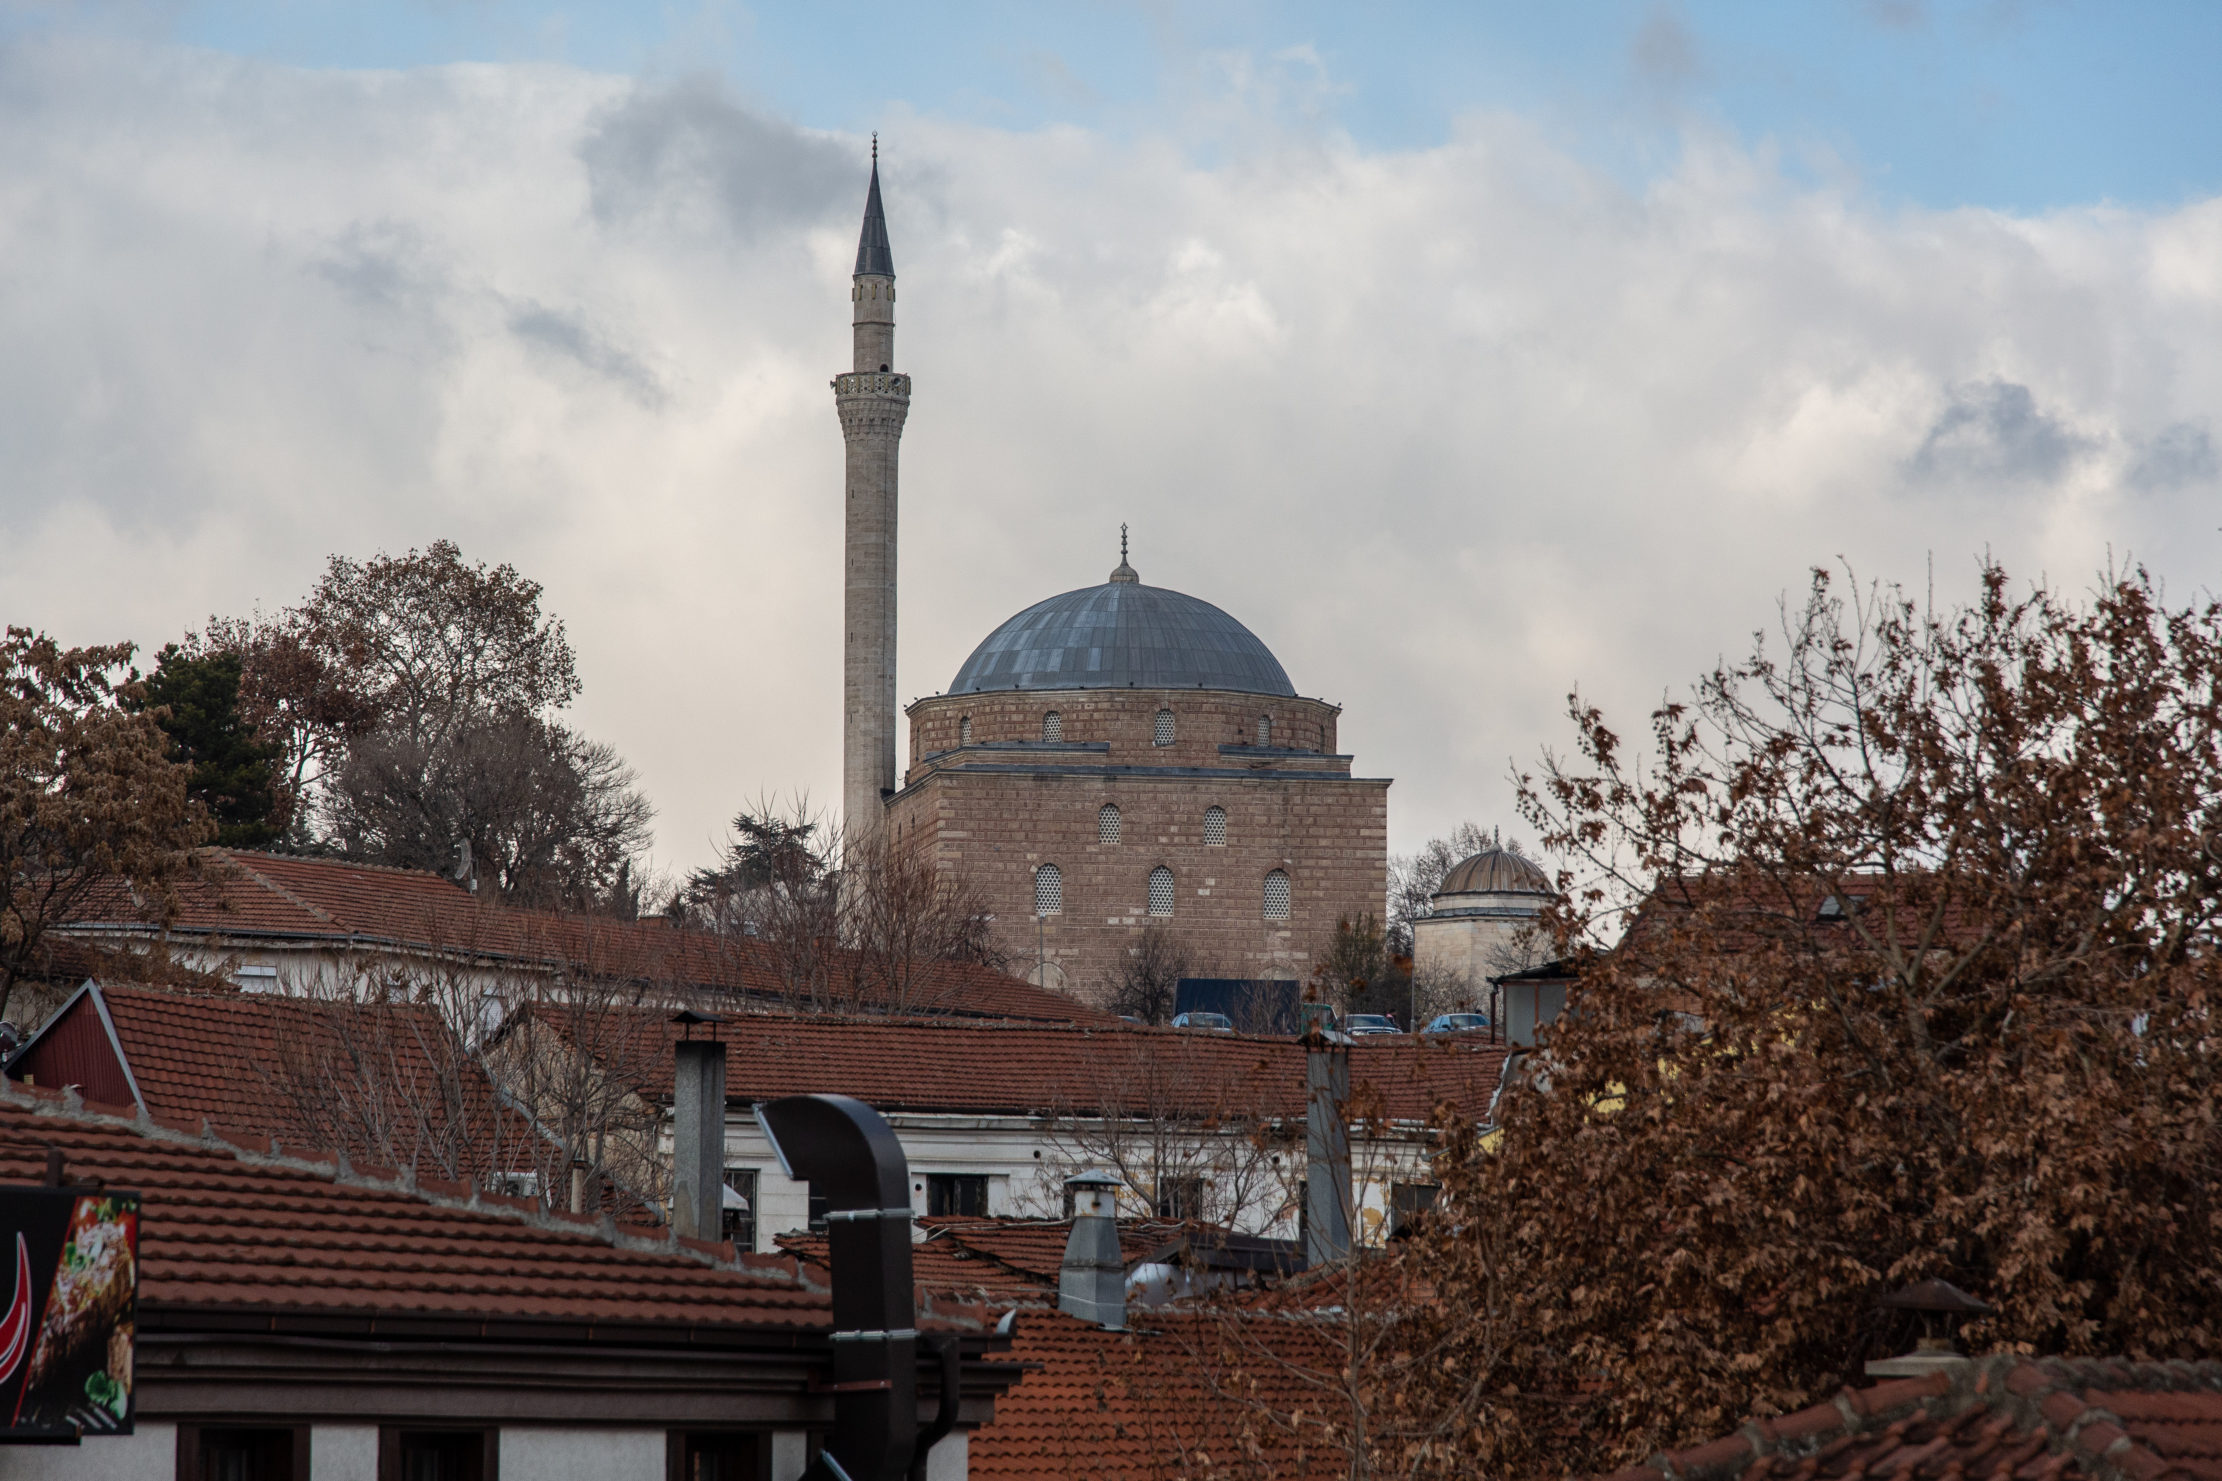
[873, 383]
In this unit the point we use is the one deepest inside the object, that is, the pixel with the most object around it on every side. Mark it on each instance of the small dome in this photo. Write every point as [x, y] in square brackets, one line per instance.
[1123, 635]
[1495, 871]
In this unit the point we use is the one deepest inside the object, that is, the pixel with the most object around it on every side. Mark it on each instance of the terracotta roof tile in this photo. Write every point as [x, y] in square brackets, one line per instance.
[1184, 1392]
[244, 897]
[1988, 1420]
[945, 1064]
[278, 1238]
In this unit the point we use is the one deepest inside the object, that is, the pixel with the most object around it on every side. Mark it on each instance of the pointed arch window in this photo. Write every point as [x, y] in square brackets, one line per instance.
[1164, 733]
[964, 731]
[1053, 726]
[1107, 823]
[1276, 895]
[1215, 826]
[1161, 891]
[1049, 890]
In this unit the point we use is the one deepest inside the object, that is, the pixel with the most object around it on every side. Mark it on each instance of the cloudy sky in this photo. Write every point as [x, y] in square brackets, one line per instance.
[1468, 354]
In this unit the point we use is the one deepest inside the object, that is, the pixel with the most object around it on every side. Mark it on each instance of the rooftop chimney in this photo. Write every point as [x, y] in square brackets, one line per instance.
[1942, 1307]
[1326, 1151]
[698, 1129]
[1091, 1284]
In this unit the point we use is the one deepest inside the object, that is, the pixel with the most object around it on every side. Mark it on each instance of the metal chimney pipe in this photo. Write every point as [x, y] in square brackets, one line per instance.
[1326, 1151]
[1091, 1281]
[849, 1155]
[698, 1138]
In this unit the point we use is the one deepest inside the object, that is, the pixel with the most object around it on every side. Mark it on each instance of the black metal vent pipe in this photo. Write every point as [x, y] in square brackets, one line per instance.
[849, 1155]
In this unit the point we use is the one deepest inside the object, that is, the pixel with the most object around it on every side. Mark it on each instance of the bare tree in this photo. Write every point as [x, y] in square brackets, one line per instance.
[1182, 1139]
[848, 926]
[1148, 979]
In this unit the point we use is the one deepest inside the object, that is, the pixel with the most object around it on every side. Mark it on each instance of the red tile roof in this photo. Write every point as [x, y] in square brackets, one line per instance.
[280, 1243]
[244, 898]
[1183, 1393]
[996, 1262]
[252, 1062]
[2004, 1418]
[947, 1064]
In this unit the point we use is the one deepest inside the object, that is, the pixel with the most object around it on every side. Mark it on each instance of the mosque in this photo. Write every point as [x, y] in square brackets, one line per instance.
[1108, 759]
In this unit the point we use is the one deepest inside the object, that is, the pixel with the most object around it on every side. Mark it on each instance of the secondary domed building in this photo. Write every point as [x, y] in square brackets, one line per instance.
[1480, 921]
[1108, 758]
[1126, 754]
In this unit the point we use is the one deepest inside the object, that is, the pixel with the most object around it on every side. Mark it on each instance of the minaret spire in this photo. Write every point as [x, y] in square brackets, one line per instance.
[1123, 574]
[874, 401]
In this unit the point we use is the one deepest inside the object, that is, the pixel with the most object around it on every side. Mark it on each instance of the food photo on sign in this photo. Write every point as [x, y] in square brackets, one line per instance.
[67, 1332]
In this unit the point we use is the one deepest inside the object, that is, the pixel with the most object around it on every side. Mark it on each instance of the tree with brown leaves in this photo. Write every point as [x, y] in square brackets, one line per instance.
[1918, 978]
[88, 795]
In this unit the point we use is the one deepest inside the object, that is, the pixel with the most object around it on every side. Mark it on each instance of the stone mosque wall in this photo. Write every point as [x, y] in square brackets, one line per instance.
[999, 810]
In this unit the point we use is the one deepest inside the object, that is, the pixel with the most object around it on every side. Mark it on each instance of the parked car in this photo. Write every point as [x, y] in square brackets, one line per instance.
[1215, 1023]
[1358, 1025]
[1458, 1023]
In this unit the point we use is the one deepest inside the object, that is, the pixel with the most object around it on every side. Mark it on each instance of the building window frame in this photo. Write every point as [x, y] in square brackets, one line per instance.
[1108, 822]
[1053, 728]
[1279, 895]
[1265, 730]
[1166, 729]
[479, 1461]
[962, 1195]
[284, 1447]
[1049, 890]
[735, 1455]
[739, 1224]
[1215, 826]
[1162, 891]
[964, 730]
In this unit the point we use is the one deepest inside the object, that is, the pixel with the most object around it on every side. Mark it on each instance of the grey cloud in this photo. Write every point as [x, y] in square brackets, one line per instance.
[1664, 52]
[2175, 456]
[681, 148]
[570, 336]
[382, 265]
[1995, 429]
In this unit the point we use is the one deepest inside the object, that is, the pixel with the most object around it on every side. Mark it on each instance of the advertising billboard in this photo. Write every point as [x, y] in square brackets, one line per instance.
[70, 1257]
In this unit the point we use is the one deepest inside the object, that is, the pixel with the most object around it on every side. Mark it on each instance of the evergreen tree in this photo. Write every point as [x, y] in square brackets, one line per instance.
[233, 772]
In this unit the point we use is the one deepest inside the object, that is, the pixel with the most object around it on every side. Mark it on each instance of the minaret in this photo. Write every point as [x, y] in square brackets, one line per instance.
[873, 401]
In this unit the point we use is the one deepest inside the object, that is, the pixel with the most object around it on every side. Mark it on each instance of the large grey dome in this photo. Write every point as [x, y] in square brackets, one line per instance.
[1123, 635]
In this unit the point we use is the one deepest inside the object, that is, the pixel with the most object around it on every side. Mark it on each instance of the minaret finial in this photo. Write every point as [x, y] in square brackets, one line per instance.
[1124, 575]
[872, 255]
[875, 149]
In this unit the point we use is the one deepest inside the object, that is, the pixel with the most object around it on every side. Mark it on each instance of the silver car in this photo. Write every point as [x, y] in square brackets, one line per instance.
[1458, 1023]
[1358, 1025]
[1216, 1023]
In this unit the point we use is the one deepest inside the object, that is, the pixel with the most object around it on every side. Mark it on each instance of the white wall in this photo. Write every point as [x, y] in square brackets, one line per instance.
[343, 1452]
[148, 1454]
[563, 1454]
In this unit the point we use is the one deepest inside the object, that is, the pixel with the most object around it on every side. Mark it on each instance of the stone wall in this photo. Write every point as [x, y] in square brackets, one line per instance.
[997, 813]
[1126, 721]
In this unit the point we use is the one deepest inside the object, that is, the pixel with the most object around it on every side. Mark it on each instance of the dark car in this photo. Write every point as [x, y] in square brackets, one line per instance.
[1458, 1023]
[1358, 1025]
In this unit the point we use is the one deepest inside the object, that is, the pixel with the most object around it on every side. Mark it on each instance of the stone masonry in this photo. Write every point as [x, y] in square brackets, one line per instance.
[873, 402]
[988, 797]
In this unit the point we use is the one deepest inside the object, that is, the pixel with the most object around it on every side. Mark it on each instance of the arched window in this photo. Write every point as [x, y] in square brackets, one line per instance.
[964, 731]
[1215, 826]
[1107, 823]
[1053, 726]
[1276, 895]
[1164, 736]
[1265, 730]
[1161, 891]
[1049, 890]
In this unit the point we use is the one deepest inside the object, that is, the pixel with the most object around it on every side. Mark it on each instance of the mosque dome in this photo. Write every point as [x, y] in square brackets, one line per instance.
[1495, 871]
[1123, 635]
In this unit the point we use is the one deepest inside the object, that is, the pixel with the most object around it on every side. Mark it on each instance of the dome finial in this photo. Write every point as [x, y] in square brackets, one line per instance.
[1124, 574]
